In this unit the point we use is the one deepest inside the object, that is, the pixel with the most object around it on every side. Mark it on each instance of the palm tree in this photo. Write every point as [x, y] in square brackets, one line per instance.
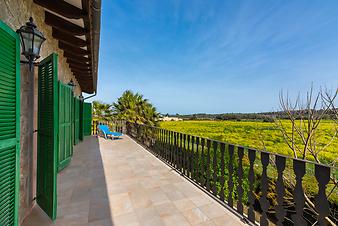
[102, 112]
[134, 108]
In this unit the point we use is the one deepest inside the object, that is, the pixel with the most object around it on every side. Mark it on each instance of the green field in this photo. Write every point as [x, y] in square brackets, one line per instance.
[256, 134]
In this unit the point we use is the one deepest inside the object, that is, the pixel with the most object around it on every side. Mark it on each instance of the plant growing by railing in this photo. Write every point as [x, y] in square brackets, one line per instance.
[302, 138]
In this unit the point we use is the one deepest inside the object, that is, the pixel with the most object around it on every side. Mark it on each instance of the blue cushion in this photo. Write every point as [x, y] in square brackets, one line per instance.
[116, 134]
[105, 129]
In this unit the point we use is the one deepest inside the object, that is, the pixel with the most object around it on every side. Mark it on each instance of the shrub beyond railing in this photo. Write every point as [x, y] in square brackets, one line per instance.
[262, 187]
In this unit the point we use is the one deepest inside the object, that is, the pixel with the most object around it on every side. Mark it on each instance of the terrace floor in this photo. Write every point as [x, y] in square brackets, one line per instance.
[120, 183]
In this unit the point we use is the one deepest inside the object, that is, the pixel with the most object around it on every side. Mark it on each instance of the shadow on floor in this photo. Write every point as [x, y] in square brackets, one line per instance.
[82, 191]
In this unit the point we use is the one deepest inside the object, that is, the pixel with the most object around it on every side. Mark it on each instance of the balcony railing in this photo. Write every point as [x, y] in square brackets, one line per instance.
[263, 188]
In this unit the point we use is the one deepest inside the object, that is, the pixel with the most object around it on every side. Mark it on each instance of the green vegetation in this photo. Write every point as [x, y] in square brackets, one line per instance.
[257, 134]
[265, 136]
[102, 112]
[133, 107]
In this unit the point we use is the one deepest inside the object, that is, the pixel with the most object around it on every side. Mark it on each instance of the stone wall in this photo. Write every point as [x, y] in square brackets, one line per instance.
[15, 13]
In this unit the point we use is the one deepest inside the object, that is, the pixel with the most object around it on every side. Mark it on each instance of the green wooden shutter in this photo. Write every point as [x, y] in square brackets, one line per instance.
[80, 120]
[9, 125]
[65, 125]
[73, 120]
[76, 120]
[48, 129]
[87, 119]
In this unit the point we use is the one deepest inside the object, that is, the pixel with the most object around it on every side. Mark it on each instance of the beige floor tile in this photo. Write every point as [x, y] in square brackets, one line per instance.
[184, 204]
[120, 204]
[201, 200]
[140, 200]
[175, 220]
[166, 209]
[149, 216]
[175, 195]
[157, 196]
[105, 222]
[129, 219]
[207, 223]
[81, 207]
[112, 183]
[98, 212]
[213, 210]
[195, 216]
[227, 220]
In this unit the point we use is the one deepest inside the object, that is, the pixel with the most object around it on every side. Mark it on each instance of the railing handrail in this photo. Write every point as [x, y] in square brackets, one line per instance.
[241, 146]
[205, 162]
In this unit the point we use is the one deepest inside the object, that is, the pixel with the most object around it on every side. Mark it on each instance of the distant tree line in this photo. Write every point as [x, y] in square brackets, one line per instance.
[264, 116]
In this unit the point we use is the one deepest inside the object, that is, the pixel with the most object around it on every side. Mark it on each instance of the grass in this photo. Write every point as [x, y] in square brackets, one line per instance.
[256, 134]
[266, 136]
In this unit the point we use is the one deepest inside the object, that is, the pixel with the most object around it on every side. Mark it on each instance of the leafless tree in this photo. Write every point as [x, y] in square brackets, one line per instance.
[306, 118]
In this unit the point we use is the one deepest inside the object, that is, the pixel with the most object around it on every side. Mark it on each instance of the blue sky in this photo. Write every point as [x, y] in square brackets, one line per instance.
[193, 56]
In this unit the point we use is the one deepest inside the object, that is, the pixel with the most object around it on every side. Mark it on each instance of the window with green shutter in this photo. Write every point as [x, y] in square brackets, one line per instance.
[9, 125]
[48, 131]
[65, 151]
[81, 120]
[76, 120]
[87, 119]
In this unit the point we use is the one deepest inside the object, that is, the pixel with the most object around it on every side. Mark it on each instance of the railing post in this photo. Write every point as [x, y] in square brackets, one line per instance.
[264, 186]
[322, 174]
[298, 194]
[197, 178]
[208, 165]
[175, 151]
[184, 154]
[240, 151]
[188, 159]
[251, 178]
[192, 158]
[221, 195]
[280, 212]
[214, 163]
[181, 152]
[230, 170]
[202, 180]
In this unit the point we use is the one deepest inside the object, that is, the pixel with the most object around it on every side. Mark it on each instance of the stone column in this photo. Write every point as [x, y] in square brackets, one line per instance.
[26, 140]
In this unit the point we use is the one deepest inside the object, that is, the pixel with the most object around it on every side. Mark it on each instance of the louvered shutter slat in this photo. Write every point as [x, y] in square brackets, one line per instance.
[65, 125]
[47, 135]
[87, 118]
[9, 125]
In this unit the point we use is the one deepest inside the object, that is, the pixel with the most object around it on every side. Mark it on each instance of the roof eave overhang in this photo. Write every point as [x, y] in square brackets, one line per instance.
[76, 25]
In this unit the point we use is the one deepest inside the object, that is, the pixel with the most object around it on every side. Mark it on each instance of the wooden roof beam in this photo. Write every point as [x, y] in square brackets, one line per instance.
[79, 61]
[69, 39]
[64, 25]
[78, 67]
[82, 72]
[82, 79]
[80, 64]
[76, 57]
[63, 8]
[79, 77]
[74, 50]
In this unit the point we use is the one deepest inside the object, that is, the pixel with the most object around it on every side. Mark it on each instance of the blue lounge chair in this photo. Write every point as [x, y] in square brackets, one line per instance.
[106, 132]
